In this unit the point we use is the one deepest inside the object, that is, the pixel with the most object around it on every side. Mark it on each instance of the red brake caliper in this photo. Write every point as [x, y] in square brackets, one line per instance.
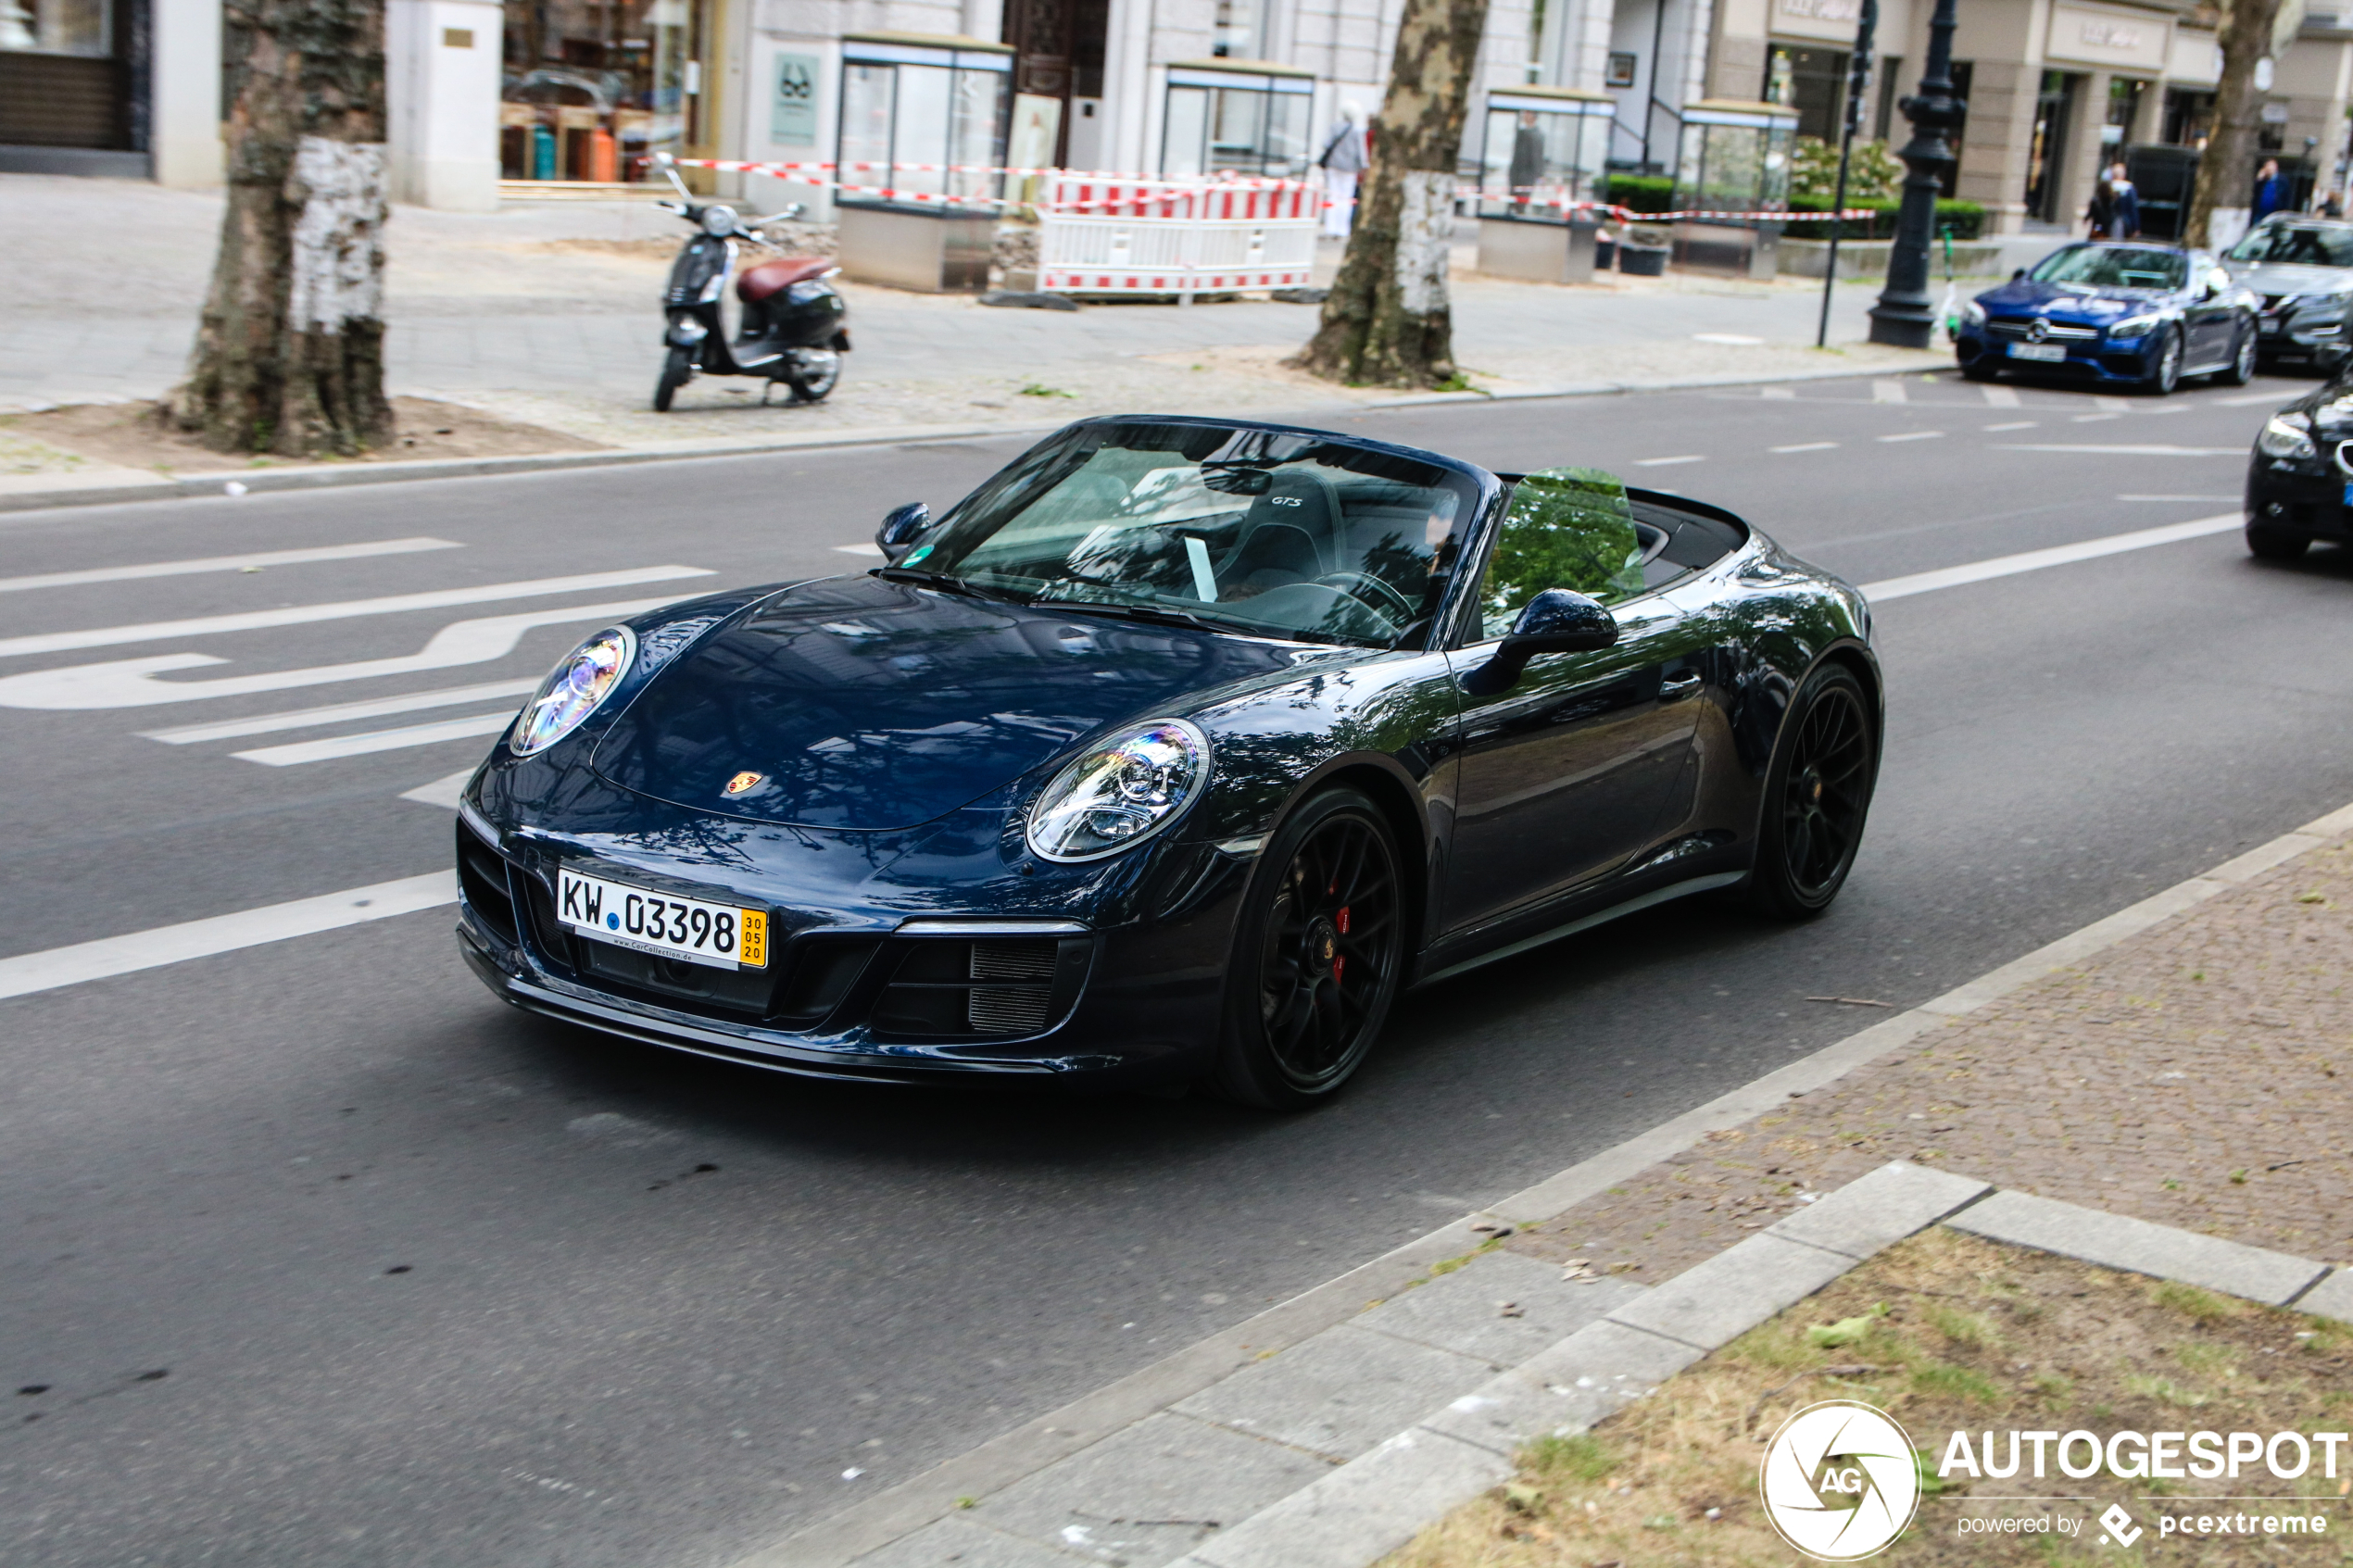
[1339, 960]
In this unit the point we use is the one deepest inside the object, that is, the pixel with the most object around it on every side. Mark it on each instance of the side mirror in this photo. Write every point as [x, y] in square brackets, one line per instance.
[1556, 620]
[2017, 275]
[900, 529]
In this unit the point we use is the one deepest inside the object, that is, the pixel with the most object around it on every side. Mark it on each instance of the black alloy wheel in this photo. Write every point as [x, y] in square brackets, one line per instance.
[1318, 952]
[1817, 794]
[2242, 369]
[811, 372]
[2166, 374]
[675, 371]
[2275, 543]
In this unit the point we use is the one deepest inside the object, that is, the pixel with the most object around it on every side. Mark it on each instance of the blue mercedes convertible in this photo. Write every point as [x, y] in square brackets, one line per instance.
[1171, 755]
[2113, 314]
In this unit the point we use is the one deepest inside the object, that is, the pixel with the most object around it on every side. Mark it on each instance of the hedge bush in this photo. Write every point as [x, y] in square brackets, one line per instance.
[1641, 192]
[1966, 219]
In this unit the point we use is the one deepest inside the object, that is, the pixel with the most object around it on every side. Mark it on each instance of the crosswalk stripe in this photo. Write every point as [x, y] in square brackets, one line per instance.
[442, 792]
[334, 746]
[2000, 397]
[298, 615]
[337, 712]
[2035, 560]
[224, 563]
[1887, 392]
[111, 956]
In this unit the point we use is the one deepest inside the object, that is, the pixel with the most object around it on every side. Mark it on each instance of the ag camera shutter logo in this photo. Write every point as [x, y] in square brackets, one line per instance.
[1840, 1481]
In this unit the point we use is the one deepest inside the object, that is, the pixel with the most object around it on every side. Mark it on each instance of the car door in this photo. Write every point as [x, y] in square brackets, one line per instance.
[2210, 317]
[1563, 776]
[1562, 773]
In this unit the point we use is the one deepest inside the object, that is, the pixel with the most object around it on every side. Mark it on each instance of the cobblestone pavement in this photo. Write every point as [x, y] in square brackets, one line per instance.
[2199, 1074]
[548, 311]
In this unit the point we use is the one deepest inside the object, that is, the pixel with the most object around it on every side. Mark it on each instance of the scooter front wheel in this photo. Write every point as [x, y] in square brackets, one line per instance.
[811, 373]
[676, 370]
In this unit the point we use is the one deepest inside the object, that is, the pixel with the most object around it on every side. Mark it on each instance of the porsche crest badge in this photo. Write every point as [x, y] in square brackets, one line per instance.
[743, 782]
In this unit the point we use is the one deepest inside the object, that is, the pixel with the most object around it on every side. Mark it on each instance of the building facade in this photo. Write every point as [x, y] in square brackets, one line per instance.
[578, 93]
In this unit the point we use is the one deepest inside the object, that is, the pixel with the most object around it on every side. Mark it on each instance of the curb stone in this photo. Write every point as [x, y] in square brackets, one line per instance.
[106, 488]
[1374, 1505]
[914, 1511]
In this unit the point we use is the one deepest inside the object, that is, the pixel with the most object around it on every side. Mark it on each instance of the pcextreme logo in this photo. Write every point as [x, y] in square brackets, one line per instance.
[1840, 1481]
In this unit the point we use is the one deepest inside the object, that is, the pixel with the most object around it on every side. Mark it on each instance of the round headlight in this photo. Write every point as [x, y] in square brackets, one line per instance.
[2286, 435]
[719, 219]
[1120, 793]
[585, 678]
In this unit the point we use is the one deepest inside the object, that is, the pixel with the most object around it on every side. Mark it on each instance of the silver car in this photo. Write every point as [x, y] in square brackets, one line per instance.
[2303, 268]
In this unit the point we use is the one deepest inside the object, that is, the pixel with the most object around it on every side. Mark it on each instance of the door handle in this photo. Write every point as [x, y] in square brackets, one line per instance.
[1676, 687]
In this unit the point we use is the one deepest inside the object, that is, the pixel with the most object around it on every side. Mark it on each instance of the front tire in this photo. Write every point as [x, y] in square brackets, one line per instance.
[1979, 368]
[2166, 374]
[1817, 794]
[811, 373]
[676, 371]
[1318, 952]
[2275, 543]
[2242, 369]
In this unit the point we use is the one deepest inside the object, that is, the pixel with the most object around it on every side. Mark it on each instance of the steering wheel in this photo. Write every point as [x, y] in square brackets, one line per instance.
[1349, 581]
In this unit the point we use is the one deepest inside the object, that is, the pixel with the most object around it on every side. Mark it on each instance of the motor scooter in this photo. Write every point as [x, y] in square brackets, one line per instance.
[793, 324]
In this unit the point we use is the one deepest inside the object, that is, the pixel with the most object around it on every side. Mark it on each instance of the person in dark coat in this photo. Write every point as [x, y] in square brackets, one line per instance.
[2270, 191]
[1527, 160]
[2127, 219]
[2101, 214]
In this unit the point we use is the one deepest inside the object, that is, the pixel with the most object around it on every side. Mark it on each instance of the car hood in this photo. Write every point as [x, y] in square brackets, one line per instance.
[2061, 302]
[865, 704]
[2275, 278]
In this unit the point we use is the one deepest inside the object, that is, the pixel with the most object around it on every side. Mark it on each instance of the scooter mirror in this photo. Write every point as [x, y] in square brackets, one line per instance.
[900, 529]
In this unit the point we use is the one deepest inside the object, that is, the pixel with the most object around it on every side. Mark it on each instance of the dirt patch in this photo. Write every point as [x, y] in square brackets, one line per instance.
[794, 239]
[135, 435]
[1946, 1333]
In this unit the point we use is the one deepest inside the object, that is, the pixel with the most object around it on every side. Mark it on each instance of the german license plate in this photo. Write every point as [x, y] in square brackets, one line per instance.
[2049, 352]
[721, 935]
[2268, 328]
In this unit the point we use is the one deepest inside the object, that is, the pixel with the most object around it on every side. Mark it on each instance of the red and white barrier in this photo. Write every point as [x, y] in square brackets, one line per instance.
[1113, 234]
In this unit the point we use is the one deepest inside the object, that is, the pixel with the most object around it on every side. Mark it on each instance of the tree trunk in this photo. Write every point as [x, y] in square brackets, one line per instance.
[1386, 320]
[289, 358]
[2223, 170]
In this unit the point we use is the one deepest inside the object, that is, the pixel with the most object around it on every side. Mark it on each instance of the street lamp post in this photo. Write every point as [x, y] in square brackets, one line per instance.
[1902, 316]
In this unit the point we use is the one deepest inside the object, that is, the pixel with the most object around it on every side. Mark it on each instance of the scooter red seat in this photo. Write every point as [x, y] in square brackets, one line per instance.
[771, 277]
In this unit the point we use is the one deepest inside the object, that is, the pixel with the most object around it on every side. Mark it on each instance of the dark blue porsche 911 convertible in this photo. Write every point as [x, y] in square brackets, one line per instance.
[1170, 755]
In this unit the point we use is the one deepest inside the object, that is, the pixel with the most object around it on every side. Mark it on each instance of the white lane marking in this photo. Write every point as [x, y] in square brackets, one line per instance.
[871, 551]
[1887, 392]
[2112, 405]
[2177, 497]
[337, 712]
[111, 956]
[442, 792]
[296, 752]
[1778, 394]
[2093, 418]
[1735, 339]
[1806, 446]
[1669, 462]
[2013, 424]
[222, 934]
[2158, 451]
[2245, 397]
[2035, 560]
[130, 682]
[1916, 435]
[301, 615]
[224, 563]
[1999, 396]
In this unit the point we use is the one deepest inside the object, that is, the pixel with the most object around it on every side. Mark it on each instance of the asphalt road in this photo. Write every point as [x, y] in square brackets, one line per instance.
[316, 1254]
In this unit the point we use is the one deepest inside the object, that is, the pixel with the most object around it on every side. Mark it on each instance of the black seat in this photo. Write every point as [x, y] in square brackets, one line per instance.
[1289, 535]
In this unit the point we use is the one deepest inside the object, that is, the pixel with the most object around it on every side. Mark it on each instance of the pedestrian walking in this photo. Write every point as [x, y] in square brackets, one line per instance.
[1343, 161]
[2126, 202]
[2270, 191]
[2101, 214]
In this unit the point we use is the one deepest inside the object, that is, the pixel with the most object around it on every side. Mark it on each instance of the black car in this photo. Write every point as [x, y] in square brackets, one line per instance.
[1171, 754]
[2301, 268]
[2300, 487]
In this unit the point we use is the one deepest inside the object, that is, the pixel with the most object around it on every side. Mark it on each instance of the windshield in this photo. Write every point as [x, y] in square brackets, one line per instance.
[1275, 533]
[2309, 244]
[2114, 266]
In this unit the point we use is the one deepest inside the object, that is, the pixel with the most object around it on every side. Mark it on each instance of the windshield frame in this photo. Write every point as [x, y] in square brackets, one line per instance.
[1482, 496]
[2034, 273]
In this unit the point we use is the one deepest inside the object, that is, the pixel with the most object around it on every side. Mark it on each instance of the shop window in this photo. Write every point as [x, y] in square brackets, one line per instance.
[931, 117]
[592, 89]
[1236, 122]
[61, 84]
[2189, 118]
[1236, 35]
[2047, 146]
[1543, 146]
[1811, 80]
[2125, 96]
[58, 26]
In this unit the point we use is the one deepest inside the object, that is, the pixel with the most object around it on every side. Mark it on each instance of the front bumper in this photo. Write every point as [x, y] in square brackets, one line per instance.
[2291, 342]
[864, 990]
[2088, 360]
[2307, 498]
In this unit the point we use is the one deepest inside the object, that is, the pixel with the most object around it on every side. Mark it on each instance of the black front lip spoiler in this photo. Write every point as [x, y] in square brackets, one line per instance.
[804, 1061]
